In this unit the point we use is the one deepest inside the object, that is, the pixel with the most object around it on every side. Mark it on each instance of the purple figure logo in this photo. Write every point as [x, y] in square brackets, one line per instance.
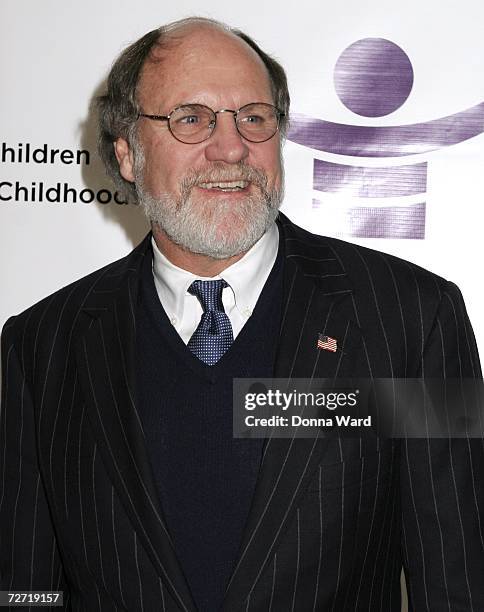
[373, 77]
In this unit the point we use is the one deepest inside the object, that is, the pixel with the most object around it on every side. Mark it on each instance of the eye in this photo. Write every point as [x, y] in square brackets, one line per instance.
[253, 119]
[189, 119]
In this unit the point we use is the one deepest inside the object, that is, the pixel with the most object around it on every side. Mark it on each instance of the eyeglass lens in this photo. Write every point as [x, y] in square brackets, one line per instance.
[193, 123]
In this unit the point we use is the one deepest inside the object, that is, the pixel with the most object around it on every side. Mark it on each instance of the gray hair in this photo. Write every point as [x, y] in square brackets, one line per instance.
[118, 108]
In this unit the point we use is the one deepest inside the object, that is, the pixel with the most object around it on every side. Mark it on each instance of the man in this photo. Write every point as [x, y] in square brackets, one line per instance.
[122, 484]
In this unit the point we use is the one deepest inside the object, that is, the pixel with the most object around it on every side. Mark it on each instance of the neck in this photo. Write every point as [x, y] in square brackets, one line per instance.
[201, 265]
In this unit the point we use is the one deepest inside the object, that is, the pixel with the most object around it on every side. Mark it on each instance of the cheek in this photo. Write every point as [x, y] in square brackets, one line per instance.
[161, 173]
[269, 159]
[273, 168]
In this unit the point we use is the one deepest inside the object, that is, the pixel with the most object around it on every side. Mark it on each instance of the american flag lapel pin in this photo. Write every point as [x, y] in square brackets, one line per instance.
[326, 343]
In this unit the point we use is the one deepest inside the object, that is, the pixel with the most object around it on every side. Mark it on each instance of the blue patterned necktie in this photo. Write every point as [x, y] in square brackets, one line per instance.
[213, 335]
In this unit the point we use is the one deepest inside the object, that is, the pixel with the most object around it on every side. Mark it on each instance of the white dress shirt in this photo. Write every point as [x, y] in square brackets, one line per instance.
[246, 279]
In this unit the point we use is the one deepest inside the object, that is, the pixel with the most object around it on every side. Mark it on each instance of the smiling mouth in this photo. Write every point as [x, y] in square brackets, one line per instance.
[225, 185]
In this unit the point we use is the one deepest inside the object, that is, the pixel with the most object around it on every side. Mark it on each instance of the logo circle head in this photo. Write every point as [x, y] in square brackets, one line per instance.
[373, 77]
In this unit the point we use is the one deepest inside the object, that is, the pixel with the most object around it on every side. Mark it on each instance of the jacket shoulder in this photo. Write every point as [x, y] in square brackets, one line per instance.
[364, 266]
[407, 314]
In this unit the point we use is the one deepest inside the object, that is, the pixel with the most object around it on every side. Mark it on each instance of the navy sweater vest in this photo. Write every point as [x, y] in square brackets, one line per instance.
[205, 477]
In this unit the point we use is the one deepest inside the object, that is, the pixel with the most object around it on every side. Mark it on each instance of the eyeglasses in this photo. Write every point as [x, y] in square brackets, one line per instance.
[194, 123]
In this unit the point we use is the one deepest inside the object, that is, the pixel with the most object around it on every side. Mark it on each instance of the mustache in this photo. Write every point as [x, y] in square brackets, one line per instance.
[219, 171]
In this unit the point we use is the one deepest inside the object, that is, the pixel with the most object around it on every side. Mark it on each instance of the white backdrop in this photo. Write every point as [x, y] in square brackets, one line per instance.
[55, 55]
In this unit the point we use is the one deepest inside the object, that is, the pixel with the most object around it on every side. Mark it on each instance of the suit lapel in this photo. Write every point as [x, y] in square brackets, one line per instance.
[317, 299]
[106, 364]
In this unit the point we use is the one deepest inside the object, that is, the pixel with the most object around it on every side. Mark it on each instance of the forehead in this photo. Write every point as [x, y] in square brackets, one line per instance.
[203, 62]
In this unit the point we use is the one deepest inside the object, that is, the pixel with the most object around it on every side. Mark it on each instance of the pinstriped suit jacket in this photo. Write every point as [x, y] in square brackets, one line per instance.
[332, 521]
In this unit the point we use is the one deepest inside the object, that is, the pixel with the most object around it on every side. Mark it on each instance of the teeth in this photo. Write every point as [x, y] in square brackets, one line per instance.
[226, 185]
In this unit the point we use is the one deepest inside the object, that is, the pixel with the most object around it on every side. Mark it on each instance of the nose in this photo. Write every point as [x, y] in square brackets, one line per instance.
[226, 144]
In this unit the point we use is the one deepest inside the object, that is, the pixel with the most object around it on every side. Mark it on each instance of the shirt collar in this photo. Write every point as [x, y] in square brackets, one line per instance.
[246, 276]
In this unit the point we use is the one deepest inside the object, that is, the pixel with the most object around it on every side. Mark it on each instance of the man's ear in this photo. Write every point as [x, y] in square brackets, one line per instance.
[124, 155]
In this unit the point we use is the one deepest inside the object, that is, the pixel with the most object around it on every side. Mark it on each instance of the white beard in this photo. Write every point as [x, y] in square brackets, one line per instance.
[220, 228]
